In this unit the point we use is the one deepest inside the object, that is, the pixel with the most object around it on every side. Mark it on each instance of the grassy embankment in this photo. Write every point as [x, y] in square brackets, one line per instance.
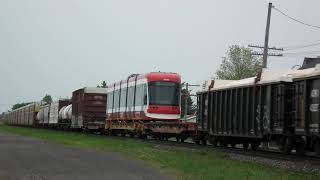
[184, 164]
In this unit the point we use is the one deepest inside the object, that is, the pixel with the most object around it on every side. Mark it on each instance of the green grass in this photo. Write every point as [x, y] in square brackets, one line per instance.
[182, 163]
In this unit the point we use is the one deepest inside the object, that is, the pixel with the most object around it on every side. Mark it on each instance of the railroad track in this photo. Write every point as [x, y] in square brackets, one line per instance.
[262, 153]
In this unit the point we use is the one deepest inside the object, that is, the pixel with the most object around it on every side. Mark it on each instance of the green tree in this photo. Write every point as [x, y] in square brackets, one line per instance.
[47, 99]
[186, 94]
[239, 63]
[19, 105]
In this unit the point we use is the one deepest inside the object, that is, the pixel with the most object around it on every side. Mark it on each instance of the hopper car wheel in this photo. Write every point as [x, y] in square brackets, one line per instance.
[285, 146]
[245, 145]
[300, 146]
[233, 145]
[224, 144]
[254, 146]
[300, 149]
[317, 147]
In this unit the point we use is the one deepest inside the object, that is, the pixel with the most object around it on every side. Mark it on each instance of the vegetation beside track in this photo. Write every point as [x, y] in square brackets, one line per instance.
[183, 163]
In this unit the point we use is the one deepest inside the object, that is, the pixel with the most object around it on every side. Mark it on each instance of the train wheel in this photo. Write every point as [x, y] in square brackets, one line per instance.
[300, 147]
[317, 147]
[178, 139]
[245, 145]
[254, 146]
[204, 141]
[285, 145]
[233, 145]
[197, 141]
[143, 136]
[224, 144]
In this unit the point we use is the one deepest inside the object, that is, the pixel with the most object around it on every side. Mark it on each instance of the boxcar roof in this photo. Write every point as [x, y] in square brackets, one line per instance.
[95, 90]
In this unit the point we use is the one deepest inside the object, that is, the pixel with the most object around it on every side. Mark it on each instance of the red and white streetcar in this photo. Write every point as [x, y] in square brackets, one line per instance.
[146, 104]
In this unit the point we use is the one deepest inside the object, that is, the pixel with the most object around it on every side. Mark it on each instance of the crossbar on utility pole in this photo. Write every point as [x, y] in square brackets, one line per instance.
[266, 38]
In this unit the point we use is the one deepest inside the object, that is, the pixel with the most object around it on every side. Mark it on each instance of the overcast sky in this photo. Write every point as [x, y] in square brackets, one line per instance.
[54, 47]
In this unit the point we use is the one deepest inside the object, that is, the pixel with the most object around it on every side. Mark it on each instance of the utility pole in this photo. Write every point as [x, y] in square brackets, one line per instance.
[186, 99]
[266, 38]
[266, 47]
[186, 102]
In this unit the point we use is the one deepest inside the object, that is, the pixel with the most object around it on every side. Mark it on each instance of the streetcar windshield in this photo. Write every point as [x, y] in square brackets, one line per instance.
[164, 93]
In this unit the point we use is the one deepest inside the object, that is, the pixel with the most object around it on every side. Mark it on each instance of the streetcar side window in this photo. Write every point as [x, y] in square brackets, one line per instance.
[130, 96]
[123, 97]
[145, 96]
[116, 99]
[110, 100]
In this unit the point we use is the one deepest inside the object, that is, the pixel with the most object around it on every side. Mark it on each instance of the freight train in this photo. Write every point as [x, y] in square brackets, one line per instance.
[142, 105]
[276, 107]
[279, 108]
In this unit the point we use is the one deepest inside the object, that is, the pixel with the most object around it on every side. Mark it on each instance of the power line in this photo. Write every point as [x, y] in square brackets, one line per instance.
[296, 20]
[301, 47]
[312, 51]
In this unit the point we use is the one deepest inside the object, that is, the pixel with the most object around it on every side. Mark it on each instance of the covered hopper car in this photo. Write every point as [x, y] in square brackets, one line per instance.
[280, 107]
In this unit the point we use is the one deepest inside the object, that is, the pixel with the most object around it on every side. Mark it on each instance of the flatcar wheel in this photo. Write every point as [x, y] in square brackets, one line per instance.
[204, 142]
[317, 147]
[143, 136]
[245, 145]
[197, 141]
[215, 143]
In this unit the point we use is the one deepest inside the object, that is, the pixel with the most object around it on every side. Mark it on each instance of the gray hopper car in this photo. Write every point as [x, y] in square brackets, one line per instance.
[280, 107]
